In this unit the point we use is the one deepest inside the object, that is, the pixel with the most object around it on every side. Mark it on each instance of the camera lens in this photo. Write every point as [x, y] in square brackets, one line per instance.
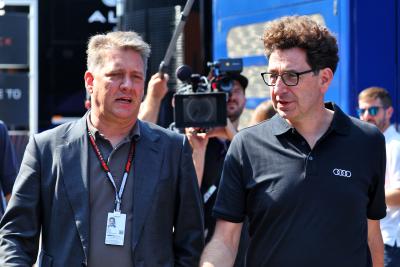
[200, 109]
[225, 84]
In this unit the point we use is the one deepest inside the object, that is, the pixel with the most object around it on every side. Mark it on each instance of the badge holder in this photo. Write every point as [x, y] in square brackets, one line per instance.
[115, 231]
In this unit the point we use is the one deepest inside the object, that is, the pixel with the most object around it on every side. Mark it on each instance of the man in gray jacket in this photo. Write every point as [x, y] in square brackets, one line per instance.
[74, 178]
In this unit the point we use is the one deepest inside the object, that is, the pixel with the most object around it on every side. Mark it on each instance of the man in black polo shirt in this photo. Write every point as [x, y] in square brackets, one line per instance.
[311, 179]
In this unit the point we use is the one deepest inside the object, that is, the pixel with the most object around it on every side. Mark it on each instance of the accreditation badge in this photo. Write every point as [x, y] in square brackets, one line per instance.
[115, 230]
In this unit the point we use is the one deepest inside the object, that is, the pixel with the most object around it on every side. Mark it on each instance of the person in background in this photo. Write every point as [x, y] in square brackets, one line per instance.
[209, 151]
[311, 179]
[264, 111]
[77, 176]
[375, 106]
[8, 166]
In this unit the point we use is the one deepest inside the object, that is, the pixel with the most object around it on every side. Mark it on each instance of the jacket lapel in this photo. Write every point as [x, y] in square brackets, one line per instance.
[148, 160]
[73, 156]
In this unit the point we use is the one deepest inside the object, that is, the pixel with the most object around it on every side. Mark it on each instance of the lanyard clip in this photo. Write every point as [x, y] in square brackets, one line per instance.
[117, 205]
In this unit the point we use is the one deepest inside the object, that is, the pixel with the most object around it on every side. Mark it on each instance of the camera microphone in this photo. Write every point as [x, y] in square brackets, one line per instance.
[184, 73]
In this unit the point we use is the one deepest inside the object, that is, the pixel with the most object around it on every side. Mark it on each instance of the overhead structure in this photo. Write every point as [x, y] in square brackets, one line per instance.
[19, 64]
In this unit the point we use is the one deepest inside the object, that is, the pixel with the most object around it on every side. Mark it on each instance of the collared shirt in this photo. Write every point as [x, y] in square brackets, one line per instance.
[306, 207]
[390, 225]
[102, 196]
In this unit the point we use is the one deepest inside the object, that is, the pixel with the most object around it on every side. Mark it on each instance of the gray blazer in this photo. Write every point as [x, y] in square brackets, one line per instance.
[51, 194]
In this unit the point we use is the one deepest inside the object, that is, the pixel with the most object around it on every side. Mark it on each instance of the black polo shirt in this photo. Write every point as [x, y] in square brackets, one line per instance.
[306, 207]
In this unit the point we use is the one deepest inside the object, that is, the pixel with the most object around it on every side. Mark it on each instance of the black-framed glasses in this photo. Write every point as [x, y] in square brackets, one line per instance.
[372, 111]
[290, 78]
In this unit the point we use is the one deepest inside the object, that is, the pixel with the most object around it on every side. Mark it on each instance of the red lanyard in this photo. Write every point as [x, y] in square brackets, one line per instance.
[118, 194]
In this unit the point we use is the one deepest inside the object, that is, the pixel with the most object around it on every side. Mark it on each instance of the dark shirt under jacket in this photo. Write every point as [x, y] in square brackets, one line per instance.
[306, 207]
[213, 164]
[102, 197]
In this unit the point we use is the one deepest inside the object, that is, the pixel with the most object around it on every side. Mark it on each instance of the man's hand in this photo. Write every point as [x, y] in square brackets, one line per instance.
[156, 90]
[157, 87]
[222, 249]
[199, 142]
[227, 132]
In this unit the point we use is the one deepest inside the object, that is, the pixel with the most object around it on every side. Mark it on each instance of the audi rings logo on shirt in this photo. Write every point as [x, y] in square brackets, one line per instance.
[342, 173]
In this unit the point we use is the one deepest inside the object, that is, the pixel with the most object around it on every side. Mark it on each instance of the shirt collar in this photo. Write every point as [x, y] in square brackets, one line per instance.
[134, 134]
[280, 125]
[390, 132]
[340, 122]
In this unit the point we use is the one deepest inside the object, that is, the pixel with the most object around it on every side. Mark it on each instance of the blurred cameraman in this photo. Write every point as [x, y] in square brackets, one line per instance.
[209, 150]
[211, 147]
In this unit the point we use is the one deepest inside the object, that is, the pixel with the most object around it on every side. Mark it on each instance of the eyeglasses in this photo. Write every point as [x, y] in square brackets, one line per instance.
[289, 78]
[372, 111]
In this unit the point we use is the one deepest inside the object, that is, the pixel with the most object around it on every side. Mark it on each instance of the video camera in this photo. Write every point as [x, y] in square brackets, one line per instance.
[201, 101]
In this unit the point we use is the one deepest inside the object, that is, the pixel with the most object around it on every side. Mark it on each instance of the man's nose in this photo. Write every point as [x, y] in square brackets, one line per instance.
[279, 86]
[127, 82]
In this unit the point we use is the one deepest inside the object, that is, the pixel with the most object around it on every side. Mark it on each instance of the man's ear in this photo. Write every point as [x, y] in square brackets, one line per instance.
[389, 112]
[326, 77]
[88, 77]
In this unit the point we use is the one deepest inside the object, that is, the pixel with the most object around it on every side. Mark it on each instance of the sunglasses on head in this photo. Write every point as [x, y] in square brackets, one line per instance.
[372, 111]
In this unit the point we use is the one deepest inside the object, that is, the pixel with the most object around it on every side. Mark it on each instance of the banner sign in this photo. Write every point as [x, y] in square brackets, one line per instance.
[14, 40]
[14, 99]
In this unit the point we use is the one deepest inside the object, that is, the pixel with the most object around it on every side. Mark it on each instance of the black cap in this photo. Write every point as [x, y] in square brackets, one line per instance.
[240, 78]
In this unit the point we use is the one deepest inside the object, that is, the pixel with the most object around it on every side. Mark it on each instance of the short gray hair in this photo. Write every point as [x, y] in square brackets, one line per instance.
[115, 40]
